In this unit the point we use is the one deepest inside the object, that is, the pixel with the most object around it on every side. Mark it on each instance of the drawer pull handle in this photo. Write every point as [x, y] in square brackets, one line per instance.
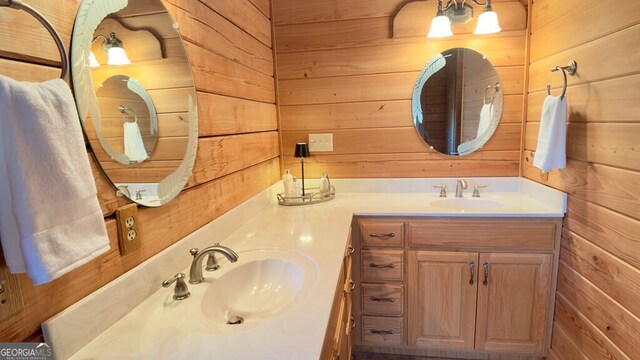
[382, 299]
[486, 273]
[382, 332]
[353, 285]
[382, 236]
[388, 266]
[353, 322]
[472, 269]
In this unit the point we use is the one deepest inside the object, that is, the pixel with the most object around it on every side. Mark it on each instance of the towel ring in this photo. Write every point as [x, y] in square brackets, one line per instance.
[496, 87]
[123, 109]
[19, 5]
[571, 69]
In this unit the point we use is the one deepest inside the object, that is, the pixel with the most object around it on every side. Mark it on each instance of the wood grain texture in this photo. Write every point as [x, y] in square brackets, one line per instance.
[236, 100]
[600, 241]
[341, 72]
[616, 323]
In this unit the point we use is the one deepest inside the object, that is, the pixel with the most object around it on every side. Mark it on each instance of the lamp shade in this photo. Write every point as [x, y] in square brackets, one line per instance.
[440, 27]
[302, 150]
[117, 56]
[487, 23]
[93, 62]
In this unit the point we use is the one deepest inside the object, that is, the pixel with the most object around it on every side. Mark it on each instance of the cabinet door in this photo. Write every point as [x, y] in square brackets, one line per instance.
[513, 302]
[442, 299]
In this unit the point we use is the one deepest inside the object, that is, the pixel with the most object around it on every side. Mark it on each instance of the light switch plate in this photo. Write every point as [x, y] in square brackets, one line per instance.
[320, 142]
[129, 234]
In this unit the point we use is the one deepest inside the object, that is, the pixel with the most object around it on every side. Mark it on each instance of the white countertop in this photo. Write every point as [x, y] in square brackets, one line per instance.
[125, 319]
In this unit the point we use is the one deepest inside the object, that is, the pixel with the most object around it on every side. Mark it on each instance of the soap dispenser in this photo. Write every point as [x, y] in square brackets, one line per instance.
[325, 184]
[287, 181]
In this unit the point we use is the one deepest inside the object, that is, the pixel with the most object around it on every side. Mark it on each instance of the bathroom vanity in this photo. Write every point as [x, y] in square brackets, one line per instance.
[454, 286]
[456, 277]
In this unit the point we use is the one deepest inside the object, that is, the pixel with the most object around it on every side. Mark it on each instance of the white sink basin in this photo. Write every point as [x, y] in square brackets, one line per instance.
[261, 285]
[468, 203]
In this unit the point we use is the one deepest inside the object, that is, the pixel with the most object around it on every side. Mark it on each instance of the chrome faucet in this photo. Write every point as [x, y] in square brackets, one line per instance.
[195, 272]
[460, 187]
[139, 194]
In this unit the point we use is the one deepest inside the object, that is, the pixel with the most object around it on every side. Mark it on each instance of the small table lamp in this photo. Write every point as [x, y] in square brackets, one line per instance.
[302, 151]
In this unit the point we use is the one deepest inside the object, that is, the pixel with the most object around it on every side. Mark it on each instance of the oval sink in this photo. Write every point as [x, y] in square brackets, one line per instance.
[468, 204]
[261, 285]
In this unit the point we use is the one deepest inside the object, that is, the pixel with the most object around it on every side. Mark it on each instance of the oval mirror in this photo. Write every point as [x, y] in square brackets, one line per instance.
[457, 102]
[136, 97]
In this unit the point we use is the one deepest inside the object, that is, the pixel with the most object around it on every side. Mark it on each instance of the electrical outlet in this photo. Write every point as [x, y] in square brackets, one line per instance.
[129, 221]
[129, 235]
[320, 142]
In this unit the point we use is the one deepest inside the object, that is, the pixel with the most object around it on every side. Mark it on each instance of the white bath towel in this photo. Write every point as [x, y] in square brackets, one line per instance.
[53, 222]
[552, 137]
[133, 144]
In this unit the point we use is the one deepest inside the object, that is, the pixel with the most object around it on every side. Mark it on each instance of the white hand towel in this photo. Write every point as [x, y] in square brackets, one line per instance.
[133, 144]
[485, 119]
[552, 137]
[48, 179]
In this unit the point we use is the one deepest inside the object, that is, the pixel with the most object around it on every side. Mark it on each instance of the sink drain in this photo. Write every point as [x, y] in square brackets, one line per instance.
[235, 320]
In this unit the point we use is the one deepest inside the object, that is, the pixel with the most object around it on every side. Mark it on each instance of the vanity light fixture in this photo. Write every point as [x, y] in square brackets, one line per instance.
[112, 46]
[302, 151]
[459, 12]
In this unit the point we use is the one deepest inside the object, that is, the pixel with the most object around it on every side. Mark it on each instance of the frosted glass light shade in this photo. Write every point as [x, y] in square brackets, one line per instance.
[117, 56]
[487, 23]
[93, 62]
[440, 27]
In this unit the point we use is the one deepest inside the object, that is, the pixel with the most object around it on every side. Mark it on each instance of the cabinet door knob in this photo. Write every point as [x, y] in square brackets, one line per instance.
[472, 270]
[387, 266]
[382, 236]
[486, 273]
[353, 285]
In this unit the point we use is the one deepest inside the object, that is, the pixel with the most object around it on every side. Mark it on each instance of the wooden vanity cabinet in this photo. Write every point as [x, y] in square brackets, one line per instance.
[338, 340]
[509, 315]
[471, 285]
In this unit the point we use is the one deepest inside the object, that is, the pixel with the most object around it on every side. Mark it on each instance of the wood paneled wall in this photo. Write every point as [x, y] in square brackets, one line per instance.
[597, 309]
[340, 71]
[229, 46]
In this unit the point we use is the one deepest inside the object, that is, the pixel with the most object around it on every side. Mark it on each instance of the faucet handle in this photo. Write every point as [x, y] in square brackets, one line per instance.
[181, 291]
[476, 191]
[443, 190]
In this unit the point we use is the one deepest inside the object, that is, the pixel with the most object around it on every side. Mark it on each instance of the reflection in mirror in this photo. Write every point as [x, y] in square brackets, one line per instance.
[129, 120]
[140, 115]
[457, 102]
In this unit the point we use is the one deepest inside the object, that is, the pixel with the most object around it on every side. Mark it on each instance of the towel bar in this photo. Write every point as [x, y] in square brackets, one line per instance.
[19, 5]
[571, 69]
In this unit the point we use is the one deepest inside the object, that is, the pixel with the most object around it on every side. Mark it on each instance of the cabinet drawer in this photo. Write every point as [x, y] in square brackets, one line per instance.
[382, 265]
[378, 232]
[382, 299]
[382, 330]
[491, 234]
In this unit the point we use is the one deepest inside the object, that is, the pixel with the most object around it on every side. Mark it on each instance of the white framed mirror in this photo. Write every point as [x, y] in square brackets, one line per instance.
[457, 102]
[136, 96]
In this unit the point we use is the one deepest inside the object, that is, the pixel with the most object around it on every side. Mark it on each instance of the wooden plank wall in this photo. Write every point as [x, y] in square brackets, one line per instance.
[597, 308]
[229, 46]
[339, 71]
